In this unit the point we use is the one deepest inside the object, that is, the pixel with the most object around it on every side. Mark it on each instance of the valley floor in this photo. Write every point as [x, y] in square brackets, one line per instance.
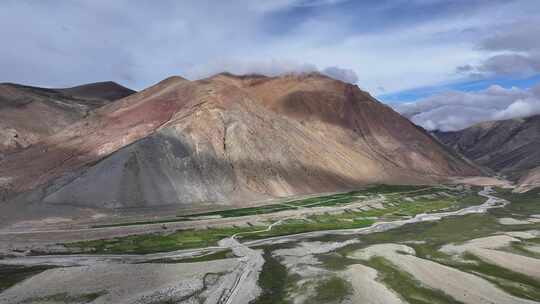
[386, 244]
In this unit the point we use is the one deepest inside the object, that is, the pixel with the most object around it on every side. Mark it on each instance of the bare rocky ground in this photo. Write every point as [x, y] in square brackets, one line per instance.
[127, 283]
[367, 289]
[304, 257]
[136, 279]
[366, 285]
[462, 286]
[487, 250]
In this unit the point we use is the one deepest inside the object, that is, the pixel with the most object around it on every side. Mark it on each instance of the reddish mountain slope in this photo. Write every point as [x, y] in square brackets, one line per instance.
[228, 139]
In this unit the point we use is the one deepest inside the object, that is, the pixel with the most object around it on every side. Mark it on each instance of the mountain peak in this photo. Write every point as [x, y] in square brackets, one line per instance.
[108, 90]
[208, 140]
[174, 78]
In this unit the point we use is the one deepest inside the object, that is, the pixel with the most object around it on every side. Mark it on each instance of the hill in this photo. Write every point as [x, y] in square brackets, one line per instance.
[228, 139]
[508, 147]
[28, 114]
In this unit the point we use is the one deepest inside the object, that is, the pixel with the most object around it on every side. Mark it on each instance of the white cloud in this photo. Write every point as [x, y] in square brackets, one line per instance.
[346, 75]
[395, 45]
[273, 67]
[452, 111]
[519, 108]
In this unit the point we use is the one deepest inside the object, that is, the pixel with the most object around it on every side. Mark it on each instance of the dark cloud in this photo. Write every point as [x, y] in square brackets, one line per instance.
[465, 68]
[511, 64]
[516, 50]
[507, 65]
[516, 36]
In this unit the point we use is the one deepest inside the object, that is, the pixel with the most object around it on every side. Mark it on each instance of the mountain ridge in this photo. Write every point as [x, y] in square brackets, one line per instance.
[29, 114]
[228, 138]
[505, 146]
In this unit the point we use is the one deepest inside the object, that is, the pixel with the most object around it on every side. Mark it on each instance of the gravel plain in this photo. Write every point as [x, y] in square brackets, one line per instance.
[462, 286]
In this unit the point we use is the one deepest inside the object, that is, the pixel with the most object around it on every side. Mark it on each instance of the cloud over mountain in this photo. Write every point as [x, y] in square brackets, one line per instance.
[395, 45]
[338, 73]
[273, 67]
[450, 111]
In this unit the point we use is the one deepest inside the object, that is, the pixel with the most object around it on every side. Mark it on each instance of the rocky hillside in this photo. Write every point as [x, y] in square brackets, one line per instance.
[227, 139]
[529, 180]
[509, 147]
[28, 114]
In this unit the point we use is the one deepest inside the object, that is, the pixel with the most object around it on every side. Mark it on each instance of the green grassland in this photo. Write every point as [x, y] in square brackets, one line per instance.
[326, 200]
[65, 297]
[274, 280]
[11, 275]
[406, 285]
[394, 193]
[186, 239]
[313, 223]
[523, 204]
[218, 255]
[419, 200]
[158, 242]
[331, 290]
[136, 223]
[521, 248]
[433, 235]
[400, 202]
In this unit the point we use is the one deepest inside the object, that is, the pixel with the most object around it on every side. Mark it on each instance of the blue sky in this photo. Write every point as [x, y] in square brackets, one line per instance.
[465, 86]
[401, 51]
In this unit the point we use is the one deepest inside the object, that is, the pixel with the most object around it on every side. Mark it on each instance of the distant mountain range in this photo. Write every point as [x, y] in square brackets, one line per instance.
[225, 139]
[29, 114]
[508, 147]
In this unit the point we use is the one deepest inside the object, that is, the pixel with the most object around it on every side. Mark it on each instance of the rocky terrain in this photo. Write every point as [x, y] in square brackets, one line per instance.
[509, 147]
[29, 114]
[477, 254]
[226, 139]
[530, 180]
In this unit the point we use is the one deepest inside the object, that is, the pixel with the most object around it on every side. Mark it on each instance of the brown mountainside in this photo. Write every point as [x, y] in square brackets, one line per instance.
[28, 114]
[228, 139]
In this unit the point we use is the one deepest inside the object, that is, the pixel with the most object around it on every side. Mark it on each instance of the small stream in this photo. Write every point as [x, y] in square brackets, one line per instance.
[243, 284]
[491, 202]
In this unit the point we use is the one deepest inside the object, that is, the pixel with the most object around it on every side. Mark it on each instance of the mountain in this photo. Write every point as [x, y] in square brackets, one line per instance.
[529, 181]
[227, 139]
[509, 147]
[28, 114]
[107, 90]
